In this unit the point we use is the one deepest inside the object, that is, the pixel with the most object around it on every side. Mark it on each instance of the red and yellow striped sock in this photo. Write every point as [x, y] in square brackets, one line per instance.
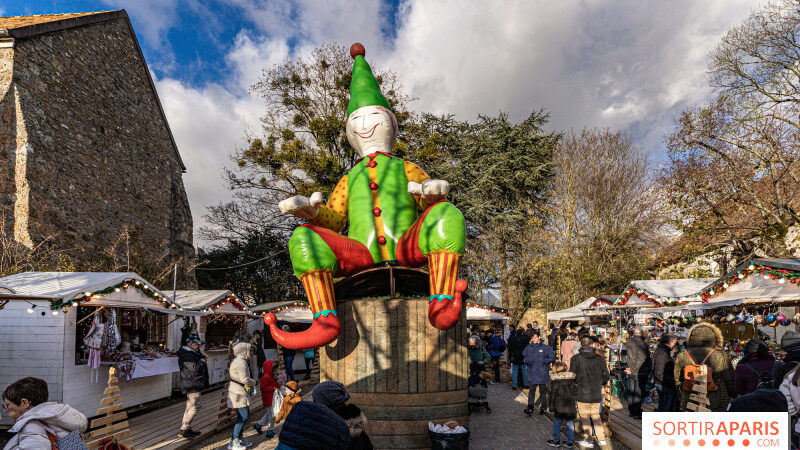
[319, 290]
[443, 266]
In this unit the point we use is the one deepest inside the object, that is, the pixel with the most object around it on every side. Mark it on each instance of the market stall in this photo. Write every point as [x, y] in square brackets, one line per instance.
[224, 319]
[758, 298]
[68, 327]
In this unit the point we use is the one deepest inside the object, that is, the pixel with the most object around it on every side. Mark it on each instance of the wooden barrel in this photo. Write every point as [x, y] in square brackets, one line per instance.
[400, 370]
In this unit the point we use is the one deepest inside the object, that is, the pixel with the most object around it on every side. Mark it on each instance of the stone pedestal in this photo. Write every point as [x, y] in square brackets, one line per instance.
[400, 370]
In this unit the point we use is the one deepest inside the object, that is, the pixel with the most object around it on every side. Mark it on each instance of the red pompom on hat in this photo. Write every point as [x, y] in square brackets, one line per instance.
[357, 49]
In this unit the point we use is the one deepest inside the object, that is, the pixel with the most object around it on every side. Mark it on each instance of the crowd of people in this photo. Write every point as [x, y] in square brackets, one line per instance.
[569, 387]
[565, 371]
[566, 374]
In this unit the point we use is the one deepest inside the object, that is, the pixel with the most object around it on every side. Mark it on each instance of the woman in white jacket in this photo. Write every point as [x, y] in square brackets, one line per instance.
[25, 401]
[238, 395]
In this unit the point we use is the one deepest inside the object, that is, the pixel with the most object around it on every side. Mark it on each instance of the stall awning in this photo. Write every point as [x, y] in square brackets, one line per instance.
[765, 280]
[64, 285]
[572, 313]
[217, 301]
[292, 311]
[61, 289]
[664, 292]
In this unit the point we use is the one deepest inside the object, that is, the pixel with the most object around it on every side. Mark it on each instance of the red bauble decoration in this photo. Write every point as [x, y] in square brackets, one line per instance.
[357, 49]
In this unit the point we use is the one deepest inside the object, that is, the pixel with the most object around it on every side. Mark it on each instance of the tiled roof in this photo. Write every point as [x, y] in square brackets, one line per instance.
[24, 21]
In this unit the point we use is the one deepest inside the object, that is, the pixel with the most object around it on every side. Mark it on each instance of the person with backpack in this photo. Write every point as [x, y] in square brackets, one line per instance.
[663, 372]
[497, 345]
[239, 390]
[563, 404]
[640, 365]
[754, 369]
[704, 344]
[39, 424]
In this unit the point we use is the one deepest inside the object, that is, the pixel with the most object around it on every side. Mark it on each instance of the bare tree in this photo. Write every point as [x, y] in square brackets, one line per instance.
[733, 164]
[606, 218]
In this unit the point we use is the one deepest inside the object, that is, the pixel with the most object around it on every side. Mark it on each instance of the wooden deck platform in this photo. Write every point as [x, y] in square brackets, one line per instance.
[159, 429]
[624, 428]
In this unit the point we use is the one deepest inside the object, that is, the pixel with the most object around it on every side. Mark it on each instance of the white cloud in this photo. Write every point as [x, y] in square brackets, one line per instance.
[625, 64]
[210, 122]
[589, 63]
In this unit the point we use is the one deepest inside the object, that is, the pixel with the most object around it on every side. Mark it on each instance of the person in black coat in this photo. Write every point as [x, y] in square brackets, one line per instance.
[194, 379]
[639, 367]
[591, 374]
[664, 373]
[552, 339]
[335, 396]
[563, 403]
[313, 426]
[516, 344]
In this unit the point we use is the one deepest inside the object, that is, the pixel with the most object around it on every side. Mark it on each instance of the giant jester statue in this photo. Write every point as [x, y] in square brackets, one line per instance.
[379, 196]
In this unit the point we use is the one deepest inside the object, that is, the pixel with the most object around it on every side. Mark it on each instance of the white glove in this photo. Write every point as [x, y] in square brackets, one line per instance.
[432, 191]
[302, 206]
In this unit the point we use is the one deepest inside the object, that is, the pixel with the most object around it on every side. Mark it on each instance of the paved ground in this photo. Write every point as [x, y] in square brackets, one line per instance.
[506, 428]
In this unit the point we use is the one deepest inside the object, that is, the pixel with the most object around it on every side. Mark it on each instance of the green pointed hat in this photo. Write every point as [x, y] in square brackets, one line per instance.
[364, 89]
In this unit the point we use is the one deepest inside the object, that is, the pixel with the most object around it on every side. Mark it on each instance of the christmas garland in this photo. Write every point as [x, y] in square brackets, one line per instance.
[646, 296]
[598, 301]
[281, 308]
[493, 309]
[141, 286]
[232, 299]
[721, 285]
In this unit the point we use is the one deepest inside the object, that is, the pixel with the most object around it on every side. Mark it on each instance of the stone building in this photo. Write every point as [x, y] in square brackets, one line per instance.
[87, 153]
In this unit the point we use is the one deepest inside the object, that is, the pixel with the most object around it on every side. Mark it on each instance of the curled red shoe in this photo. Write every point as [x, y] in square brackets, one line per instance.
[322, 332]
[444, 310]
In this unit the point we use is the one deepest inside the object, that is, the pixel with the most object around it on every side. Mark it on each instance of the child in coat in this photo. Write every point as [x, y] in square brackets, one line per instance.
[563, 404]
[292, 398]
[268, 385]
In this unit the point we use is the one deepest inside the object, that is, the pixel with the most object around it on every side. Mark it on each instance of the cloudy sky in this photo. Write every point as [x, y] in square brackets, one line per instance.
[626, 64]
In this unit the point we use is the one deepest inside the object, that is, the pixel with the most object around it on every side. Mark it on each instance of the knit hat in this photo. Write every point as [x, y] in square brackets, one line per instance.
[194, 339]
[364, 89]
[752, 345]
[790, 340]
[330, 393]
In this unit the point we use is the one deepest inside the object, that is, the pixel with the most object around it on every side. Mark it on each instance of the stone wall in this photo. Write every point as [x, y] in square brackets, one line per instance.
[7, 119]
[98, 158]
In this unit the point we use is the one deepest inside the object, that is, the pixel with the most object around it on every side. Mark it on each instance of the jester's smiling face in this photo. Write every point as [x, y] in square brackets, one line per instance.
[371, 129]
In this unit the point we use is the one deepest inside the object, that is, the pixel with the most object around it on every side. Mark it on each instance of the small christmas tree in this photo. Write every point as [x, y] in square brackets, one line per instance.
[113, 424]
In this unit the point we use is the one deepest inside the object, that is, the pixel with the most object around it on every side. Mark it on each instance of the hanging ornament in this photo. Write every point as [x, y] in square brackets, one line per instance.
[771, 319]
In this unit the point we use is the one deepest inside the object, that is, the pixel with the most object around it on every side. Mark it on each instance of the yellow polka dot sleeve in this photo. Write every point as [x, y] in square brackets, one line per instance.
[333, 216]
[416, 174]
